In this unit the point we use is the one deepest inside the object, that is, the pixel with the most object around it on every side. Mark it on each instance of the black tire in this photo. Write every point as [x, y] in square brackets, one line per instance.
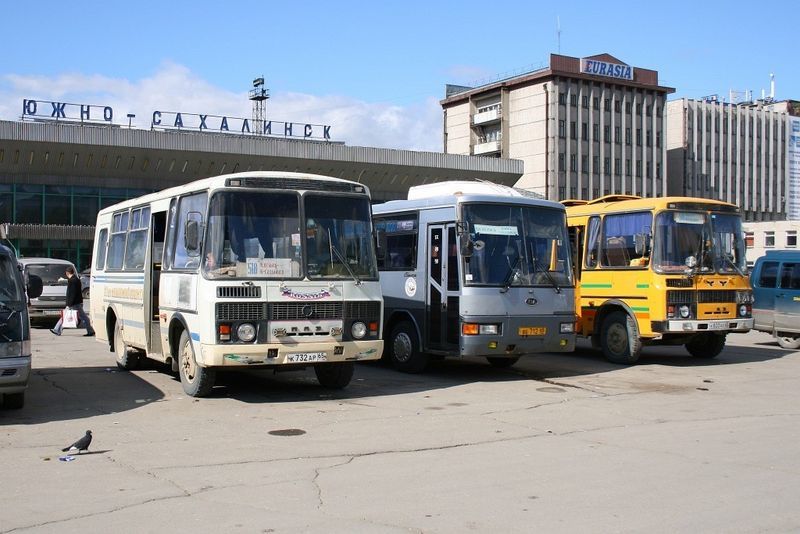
[334, 375]
[196, 381]
[85, 293]
[14, 401]
[502, 363]
[619, 338]
[706, 345]
[127, 358]
[788, 342]
[403, 349]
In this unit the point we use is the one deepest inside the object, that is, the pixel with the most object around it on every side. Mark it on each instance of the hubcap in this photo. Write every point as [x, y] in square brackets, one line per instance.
[617, 338]
[187, 362]
[119, 345]
[401, 348]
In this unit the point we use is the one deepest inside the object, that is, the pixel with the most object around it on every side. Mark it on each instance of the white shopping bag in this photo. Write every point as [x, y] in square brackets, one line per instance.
[69, 318]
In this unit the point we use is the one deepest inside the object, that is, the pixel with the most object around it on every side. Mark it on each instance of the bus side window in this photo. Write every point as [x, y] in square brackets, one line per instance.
[100, 250]
[575, 236]
[592, 242]
[399, 243]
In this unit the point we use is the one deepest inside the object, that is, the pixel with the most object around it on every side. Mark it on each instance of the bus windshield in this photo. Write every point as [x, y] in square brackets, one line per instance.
[338, 238]
[10, 290]
[253, 234]
[689, 242]
[516, 245]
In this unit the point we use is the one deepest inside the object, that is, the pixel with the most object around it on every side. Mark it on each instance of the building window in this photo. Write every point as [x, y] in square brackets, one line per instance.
[627, 136]
[562, 128]
[561, 159]
[649, 110]
[573, 130]
[596, 103]
[638, 168]
[607, 104]
[585, 101]
[658, 170]
[638, 137]
[638, 109]
[617, 106]
[617, 167]
[573, 162]
[595, 132]
[749, 239]
[573, 100]
[595, 164]
[791, 239]
[628, 108]
[649, 170]
[562, 99]
[769, 239]
[607, 133]
[659, 111]
[585, 164]
[627, 167]
[649, 138]
[585, 131]
[616, 134]
[658, 139]
[607, 166]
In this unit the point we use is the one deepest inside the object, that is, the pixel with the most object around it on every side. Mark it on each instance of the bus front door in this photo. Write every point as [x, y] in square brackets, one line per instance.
[443, 289]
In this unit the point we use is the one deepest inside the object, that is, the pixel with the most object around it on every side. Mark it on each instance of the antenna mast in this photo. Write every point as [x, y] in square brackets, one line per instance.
[259, 95]
[558, 32]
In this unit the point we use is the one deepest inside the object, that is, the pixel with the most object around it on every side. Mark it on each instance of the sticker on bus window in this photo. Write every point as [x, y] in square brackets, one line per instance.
[279, 267]
[295, 240]
[683, 217]
[491, 229]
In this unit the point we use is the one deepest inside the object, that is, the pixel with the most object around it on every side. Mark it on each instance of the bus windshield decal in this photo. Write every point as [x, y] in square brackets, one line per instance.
[491, 229]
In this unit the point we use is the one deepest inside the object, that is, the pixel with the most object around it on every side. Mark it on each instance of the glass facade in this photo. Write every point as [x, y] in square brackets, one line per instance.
[62, 205]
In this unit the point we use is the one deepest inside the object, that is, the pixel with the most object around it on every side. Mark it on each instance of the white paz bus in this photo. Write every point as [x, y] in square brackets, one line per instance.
[257, 269]
[474, 269]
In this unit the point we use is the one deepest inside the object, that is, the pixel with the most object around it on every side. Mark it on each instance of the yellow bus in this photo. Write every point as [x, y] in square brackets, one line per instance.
[658, 271]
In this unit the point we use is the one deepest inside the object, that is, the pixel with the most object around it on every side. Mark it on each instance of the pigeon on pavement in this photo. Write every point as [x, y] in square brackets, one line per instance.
[80, 445]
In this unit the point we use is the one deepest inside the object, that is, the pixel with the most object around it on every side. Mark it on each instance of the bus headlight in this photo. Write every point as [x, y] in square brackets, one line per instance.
[359, 330]
[489, 329]
[567, 328]
[684, 311]
[246, 332]
[744, 310]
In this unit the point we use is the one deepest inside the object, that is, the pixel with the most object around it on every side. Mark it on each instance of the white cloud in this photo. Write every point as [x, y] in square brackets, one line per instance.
[174, 87]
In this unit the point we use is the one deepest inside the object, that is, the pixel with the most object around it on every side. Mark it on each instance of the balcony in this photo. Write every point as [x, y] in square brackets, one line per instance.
[487, 116]
[486, 147]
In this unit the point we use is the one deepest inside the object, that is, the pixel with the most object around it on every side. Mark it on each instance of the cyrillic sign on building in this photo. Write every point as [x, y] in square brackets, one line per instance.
[793, 189]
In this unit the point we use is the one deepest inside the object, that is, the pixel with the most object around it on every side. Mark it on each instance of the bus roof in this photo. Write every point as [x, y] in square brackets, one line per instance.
[293, 179]
[617, 203]
[448, 194]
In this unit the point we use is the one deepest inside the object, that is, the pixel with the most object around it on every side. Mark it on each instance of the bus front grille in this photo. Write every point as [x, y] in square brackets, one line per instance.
[365, 310]
[292, 311]
[241, 311]
[238, 292]
[679, 282]
[703, 296]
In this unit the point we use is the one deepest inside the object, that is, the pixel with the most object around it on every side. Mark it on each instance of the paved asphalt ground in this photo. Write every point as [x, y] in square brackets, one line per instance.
[558, 443]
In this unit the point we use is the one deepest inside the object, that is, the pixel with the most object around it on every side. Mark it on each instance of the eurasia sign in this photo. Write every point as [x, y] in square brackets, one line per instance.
[604, 68]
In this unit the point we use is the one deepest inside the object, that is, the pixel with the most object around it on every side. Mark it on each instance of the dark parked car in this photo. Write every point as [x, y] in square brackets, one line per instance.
[86, 282]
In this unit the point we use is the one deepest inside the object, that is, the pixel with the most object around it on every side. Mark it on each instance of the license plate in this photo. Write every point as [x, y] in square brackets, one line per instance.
[299, 357]
[52, 312]
[718, 325]
[532, 330]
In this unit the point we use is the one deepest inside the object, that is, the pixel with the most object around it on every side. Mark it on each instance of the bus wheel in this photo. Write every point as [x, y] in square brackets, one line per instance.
[126, 358]
[706, 345]
[789, 342]
[619, 338]
[14, 401]
[196, 381]
[404, 350]
[334, 375]
[502, 363]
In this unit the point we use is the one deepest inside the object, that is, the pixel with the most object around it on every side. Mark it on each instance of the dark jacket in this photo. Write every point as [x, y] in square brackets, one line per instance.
[74, 296]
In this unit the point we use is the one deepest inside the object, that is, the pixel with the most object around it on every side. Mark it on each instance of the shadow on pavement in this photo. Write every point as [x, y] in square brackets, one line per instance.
[68, 393]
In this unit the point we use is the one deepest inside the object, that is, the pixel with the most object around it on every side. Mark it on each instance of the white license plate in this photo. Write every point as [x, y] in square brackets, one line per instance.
[301, 357]
[718, 325]
[52, 312]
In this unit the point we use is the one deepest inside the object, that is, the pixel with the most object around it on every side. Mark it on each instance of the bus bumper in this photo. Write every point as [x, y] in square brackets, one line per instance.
[14, 374]
[719, 325]
[520, 335]
[288, 354]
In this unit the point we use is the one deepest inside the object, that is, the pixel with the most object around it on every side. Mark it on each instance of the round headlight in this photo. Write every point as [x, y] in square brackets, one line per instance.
[684, 311]
[742, 310]
[358, 330]
[246, 332]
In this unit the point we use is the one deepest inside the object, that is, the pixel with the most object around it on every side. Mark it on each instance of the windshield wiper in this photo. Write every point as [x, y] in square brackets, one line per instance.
[733, 264]
[539, 268]
[509, 275]
[341, 258]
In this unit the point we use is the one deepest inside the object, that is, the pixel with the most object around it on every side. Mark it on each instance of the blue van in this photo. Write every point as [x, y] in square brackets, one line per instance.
[776, 289]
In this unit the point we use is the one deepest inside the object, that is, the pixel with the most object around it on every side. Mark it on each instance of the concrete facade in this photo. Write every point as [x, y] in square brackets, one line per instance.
[732, 152]
[580, 134]
[760, 237]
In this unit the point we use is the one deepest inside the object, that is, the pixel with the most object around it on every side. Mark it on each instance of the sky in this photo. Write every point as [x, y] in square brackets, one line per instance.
[374, 71]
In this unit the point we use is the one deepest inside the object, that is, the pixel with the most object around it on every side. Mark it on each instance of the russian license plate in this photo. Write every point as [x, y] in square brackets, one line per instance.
[532, 330]
[302, 357]
[52, 312]
[718, 325]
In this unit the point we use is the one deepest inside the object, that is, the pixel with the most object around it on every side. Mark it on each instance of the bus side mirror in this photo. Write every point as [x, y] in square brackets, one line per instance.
[466, 245]
[641, 244]
[191, 236]
[34, 287]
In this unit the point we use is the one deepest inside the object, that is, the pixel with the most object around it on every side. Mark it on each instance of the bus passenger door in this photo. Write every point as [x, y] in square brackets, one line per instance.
[443, 288]
[158, 229]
